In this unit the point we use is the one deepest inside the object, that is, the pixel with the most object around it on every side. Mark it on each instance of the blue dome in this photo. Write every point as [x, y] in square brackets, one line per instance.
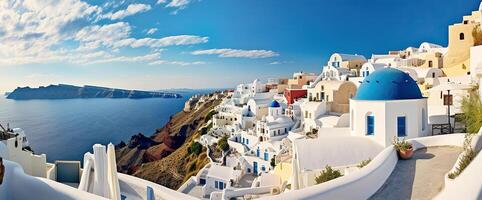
[274, 104]
[388, 84]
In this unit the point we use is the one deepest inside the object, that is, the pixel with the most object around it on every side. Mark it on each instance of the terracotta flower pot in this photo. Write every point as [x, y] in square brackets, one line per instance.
[406, 154]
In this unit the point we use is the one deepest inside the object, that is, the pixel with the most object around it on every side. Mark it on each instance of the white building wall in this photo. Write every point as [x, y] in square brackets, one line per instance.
[35, 165]
[386, 113]
[360, 110]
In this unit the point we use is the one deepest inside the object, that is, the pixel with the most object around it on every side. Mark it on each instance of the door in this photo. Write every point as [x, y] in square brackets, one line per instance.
[255, 167]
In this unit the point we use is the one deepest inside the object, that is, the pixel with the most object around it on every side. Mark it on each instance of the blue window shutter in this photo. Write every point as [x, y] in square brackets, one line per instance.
[266, 156]
[401, 127]
[370, 125]
[150, 193]
[216, 184]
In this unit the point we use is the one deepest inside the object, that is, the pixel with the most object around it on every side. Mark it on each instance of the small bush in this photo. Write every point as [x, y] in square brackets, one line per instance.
[401, 145]
[209, 116]
[223, 143]
[468, 155]
[472, 109]
[327, 174]
[205, 130]
[364, 163]
[195, 148]
[477, 34]
[273, 162]
[192, 167]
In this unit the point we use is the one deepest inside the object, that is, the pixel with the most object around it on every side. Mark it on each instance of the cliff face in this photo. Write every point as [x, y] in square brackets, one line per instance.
[71, 92]
[164, 157]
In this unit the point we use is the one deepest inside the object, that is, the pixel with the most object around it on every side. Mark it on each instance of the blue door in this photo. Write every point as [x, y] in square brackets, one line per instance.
[257, 152]
[255, 167]
[370, 125]
[266, 156]
[401, 127]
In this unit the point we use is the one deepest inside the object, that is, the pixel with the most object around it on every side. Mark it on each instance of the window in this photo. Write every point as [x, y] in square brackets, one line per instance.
[423, 119]
[247, 141]
[243, 140]
[462, 36]
[401, 127]
[263, 168]
[433, 75]
[216, 184]
[257, 152]
[370, 125]
[266, 155]
[430, 63]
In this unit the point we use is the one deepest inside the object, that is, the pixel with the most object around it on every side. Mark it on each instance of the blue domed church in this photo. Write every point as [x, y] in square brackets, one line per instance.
[388, 104]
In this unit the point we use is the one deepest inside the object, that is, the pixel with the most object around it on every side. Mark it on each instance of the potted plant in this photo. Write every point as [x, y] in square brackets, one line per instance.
[404, 148]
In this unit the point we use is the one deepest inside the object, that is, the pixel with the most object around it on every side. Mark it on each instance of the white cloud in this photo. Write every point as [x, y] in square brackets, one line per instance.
[30, 28]
[182, 63]
[161, 1]
[145, 58]
[275, 63]
[48, 31]
[132, 9]
[178, 3]
[117, 35]
[151, 31]
[237, 53]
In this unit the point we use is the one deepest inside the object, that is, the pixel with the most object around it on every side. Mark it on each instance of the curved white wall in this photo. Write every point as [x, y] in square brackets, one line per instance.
[18, 186]
[364, 183]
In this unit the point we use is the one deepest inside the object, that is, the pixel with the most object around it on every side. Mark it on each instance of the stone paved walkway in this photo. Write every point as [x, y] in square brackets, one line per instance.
[421, 177]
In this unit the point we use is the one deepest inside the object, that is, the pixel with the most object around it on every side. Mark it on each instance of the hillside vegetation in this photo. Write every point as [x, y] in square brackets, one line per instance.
[167, 157]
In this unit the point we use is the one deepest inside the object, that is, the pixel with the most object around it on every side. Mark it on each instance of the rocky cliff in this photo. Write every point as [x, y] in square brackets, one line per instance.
[164, 157]
[71, 92]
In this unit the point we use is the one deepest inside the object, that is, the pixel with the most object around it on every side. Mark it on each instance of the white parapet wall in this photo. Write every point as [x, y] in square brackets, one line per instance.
[35, 165]
[18, 186]
[365, 182]
[136, 188]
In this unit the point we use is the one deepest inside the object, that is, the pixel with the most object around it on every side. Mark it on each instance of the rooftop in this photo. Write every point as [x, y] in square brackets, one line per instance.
[388, 84]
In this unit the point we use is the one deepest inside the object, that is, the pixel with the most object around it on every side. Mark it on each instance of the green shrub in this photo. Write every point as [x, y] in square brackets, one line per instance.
[327, 174]
[468, 155]
[223, 143]
[472, 109]
[273, 162]
[195, 148]
[205, 130]
[477, 34]
[192, 167]
[364, 163]
[209, 116]
[401, 145]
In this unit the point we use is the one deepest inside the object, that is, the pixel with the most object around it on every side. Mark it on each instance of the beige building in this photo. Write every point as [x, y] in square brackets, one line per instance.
[461, 38]
[337, 94]
[347, 61]
[300, 79]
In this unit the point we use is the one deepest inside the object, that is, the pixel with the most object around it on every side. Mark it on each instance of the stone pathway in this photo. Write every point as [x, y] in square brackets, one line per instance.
[421, 177]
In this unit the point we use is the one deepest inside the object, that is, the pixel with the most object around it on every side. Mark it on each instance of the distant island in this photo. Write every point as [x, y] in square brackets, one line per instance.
[63, 91]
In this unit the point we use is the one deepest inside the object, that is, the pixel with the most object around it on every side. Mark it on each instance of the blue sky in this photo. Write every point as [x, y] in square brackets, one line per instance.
[155, 44]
